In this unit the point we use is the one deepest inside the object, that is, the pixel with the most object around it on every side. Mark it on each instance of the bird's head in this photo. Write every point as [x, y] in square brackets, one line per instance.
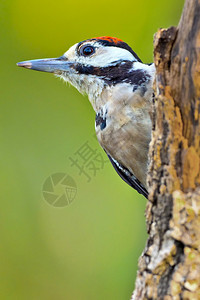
[90, 65]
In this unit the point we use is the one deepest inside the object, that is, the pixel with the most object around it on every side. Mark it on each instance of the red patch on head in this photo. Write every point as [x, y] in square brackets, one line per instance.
[109, 39]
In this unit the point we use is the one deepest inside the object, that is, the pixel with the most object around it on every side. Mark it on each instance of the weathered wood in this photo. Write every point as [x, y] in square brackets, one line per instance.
[169, 267]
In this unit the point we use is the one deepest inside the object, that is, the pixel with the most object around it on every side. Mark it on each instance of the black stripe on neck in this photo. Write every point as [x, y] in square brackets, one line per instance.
[114, 74]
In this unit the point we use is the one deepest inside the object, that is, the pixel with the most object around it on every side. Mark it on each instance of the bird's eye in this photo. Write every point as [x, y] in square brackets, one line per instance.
[87, 50]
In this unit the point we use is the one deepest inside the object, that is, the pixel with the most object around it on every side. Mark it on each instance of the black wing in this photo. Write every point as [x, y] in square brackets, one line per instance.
[129, 178]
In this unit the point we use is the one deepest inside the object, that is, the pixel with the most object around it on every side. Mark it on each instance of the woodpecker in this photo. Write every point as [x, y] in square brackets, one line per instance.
[119, 87]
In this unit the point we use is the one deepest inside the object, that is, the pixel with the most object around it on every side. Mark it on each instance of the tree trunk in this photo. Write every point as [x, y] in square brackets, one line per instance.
[169, 267]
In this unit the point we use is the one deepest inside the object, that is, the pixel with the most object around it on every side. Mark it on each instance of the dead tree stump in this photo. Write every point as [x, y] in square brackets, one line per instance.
[169, 267]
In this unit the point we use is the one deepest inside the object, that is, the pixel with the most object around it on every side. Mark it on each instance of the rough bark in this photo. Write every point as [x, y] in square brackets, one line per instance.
[169, 267]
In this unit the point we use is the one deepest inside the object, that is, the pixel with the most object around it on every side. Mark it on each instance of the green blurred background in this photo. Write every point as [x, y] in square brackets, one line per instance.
[88, 249]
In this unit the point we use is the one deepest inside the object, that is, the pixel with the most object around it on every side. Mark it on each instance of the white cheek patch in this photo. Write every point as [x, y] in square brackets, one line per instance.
[106, 56]
[144, 67]
[103, 57]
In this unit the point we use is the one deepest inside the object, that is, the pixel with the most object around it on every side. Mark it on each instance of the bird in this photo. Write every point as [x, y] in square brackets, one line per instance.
[120, 88]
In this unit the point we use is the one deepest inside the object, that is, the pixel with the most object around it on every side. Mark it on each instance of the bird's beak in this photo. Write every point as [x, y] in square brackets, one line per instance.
[51, 65]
